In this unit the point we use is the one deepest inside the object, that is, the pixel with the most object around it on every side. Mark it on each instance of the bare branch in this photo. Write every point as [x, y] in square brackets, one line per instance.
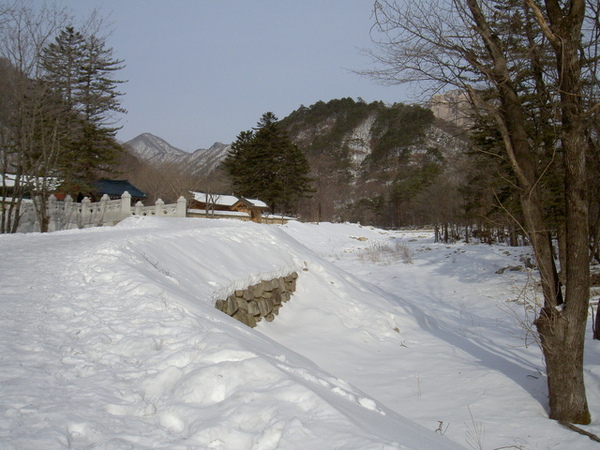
[542, 22]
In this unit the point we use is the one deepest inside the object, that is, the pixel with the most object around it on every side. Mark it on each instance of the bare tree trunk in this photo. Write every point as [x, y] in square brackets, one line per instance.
[562, 343]
[40, 205]
[561, 324]
[512, 233]
[597, 322]
[562, 330]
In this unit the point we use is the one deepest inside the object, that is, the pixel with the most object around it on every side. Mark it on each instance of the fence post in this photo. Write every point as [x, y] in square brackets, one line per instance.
[181, 206]
[85, 211]
[67, 213]
[52, 213]
[158, 206]
[101, 211]
[138, 208]
[126, 204]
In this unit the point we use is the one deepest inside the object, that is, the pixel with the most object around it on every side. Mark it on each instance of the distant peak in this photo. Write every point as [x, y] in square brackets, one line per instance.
[152, 148]
[146, 136]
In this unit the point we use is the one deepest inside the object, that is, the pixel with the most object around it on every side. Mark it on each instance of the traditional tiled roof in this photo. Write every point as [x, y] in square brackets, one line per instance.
[117, 188]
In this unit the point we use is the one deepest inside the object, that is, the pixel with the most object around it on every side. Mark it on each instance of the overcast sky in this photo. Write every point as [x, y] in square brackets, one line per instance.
[201, 71]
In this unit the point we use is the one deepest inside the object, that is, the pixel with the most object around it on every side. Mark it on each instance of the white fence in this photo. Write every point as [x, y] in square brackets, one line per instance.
[67, 214]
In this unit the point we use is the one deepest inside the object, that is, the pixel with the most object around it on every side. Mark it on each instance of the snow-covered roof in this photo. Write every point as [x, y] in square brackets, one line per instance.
[216, 199]
[226, 200]
[9, 181]
[257, 203]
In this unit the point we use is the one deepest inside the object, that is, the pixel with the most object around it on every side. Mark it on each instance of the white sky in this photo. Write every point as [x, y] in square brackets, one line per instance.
[201, 71]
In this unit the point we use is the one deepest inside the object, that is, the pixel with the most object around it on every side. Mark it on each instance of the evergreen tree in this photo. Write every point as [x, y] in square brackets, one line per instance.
[61, 61]
[264, 163]
[79, 68]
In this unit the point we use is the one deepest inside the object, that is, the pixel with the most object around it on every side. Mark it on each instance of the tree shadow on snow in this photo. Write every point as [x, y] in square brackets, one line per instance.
[505, 360]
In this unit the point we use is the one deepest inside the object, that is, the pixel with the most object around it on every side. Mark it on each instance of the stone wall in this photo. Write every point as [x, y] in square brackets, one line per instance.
[262, 300]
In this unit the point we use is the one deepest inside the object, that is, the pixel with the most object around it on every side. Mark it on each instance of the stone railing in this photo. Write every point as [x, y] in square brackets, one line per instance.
[262, 300]
[67, 214]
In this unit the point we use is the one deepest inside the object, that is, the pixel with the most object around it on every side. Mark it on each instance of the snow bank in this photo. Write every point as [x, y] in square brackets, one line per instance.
[463, 361]
[109, 338]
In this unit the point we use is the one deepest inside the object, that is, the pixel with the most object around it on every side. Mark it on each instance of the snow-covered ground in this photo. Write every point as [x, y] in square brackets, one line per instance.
[109, 339]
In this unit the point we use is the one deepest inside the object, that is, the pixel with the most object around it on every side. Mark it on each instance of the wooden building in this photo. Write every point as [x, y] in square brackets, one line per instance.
[226, 206]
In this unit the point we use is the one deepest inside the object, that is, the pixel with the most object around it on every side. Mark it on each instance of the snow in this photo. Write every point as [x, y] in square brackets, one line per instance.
[109, 338]
[225, 200]
[217, 199]
[193, 212]
[153, 148]
[358, 141]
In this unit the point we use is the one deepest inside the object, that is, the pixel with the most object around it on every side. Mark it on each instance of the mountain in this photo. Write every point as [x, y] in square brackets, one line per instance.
[154, 149]
[371, 161]
[210, 158]
[151, 148]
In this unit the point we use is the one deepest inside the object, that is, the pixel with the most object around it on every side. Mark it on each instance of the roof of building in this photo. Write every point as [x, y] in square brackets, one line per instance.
[227, 200]
[51, 183]
[215, 199]
[253, 203]
[118, 187]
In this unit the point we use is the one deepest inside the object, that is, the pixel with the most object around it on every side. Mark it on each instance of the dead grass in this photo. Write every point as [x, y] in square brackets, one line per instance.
[386, 253]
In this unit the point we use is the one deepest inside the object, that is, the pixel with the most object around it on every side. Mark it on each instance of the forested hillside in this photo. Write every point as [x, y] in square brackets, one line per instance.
[371, 162]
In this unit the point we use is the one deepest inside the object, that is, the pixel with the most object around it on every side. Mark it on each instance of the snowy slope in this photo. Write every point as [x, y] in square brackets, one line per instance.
[109, 339]
[153, 149]
[209, 159]
[465, 365]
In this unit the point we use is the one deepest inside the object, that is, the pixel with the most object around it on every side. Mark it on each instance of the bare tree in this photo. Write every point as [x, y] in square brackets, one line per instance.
[166, 180]
[59, 94]
[526, 65]
[23, 33]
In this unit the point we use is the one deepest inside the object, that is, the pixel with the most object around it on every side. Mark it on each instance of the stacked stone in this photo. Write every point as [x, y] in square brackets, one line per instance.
[262, 300]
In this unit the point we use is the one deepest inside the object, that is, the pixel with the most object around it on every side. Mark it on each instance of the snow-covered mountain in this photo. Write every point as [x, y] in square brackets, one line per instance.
[151, 148]
[211, 157]
[148, 147]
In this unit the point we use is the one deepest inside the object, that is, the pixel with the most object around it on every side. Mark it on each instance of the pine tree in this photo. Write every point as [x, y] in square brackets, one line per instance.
[79, 68]
[264, 163]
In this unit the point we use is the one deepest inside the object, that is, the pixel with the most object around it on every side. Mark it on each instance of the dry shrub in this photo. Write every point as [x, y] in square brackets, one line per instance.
[385, 253]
